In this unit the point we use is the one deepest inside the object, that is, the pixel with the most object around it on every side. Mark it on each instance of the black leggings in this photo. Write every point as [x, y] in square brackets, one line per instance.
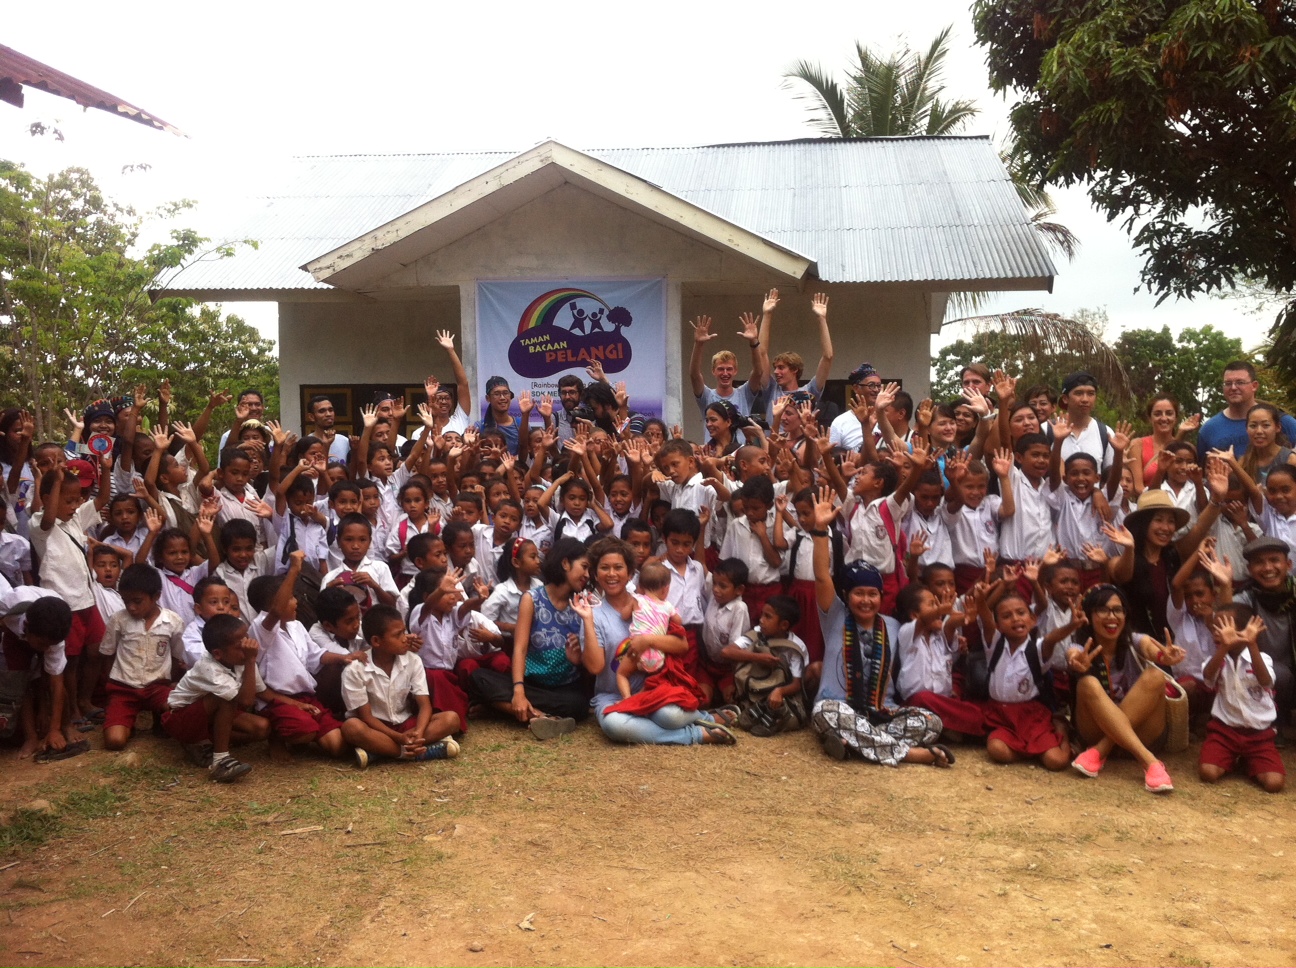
[570, 700]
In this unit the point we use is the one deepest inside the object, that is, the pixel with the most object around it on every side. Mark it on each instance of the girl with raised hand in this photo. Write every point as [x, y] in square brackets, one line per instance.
[1118, 701]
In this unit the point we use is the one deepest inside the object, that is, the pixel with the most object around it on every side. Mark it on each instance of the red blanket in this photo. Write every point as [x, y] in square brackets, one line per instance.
[672, 686]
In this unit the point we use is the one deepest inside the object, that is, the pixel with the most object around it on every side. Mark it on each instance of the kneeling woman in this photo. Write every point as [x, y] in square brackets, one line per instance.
[1117, 702]
[608, 625]
[855, 711]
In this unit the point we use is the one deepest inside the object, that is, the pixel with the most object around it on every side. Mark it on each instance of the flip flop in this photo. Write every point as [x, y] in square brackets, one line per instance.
[721, 735]
[96, 715]
[941, 750]
[69, 751]
[724, 715]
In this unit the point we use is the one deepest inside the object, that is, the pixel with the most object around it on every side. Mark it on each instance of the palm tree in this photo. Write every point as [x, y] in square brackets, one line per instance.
[884, 96]
[899, 94]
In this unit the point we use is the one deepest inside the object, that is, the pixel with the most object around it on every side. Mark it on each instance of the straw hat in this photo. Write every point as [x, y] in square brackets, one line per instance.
[1149, 503]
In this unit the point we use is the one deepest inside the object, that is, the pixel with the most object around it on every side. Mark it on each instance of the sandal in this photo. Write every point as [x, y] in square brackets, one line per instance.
[944, 756]
[83, 726]
[717, 734]
[69, 751]
[724, 715]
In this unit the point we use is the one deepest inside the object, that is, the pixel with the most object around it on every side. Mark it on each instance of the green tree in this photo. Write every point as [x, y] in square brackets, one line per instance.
[1179, 116]
[1191, 366]
[884, 95]
[75, 298]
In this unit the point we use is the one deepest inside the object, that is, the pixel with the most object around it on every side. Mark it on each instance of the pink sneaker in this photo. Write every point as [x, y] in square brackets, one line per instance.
[1156, 779]
[1089, 762]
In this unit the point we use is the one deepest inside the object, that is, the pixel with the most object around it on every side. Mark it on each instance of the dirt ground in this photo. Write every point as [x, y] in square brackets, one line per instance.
[767, 853]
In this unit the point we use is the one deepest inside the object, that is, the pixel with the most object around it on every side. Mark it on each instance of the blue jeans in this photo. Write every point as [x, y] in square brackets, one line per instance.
[670, 726]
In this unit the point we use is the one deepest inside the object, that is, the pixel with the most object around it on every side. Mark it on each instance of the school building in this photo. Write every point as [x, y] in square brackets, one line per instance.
[368, 255]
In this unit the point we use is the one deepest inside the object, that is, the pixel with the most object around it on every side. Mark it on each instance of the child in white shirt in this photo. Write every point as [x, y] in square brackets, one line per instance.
[171, 555]
[725, 620]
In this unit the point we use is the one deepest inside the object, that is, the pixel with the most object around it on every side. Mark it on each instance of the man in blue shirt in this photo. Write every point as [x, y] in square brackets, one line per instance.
[1228, 427]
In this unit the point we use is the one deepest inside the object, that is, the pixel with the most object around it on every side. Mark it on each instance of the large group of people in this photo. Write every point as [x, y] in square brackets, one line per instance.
[905, 578]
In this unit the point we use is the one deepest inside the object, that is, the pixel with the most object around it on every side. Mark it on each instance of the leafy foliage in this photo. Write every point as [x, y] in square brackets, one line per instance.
[1179, 116]
[75, 302]
[895, 94]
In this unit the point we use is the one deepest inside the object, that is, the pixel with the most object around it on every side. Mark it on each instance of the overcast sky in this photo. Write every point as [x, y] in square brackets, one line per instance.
[254, 83]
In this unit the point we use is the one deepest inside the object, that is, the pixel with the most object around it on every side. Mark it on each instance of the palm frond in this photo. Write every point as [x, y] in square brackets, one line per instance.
[946, 117]
[827, 102]
[1056, 235]
[1042, 334]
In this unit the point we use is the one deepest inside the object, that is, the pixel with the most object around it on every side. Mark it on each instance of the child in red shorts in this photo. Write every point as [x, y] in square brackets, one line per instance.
[143, 638]
[1241, 724]
[211, 705]
[289, 660]
[58, 537]
[725, 620]
[389, 713]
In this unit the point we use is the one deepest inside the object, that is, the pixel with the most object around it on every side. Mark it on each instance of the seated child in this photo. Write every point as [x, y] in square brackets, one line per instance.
[145, 638]
[1191, 614]
[388, 710]
[211, 597]
[337, 630]
[36, 624]
[426, 551]
[1019, 714]
[929, 642]
[1241, 728]
[725, 619]
[770, 663]
[211, 705]
[297, 522]
[490, 539]
[438, 620]
[518, 573]
[289, 659]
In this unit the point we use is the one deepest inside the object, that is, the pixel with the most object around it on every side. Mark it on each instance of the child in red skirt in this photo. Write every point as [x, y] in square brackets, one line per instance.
[1018, 715]
[1241, 729]
[438, 619]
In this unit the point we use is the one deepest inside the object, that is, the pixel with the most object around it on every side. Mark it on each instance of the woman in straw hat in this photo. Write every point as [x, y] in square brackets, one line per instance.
[1150, 555]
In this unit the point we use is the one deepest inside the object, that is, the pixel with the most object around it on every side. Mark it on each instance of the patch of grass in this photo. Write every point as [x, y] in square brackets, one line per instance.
[1189, 961]
[93, 802]
[27, 830]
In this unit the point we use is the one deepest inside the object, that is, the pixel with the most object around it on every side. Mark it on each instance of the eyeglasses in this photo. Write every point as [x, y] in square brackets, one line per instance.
[871, 385]
[1237, 384]
[1114, 610]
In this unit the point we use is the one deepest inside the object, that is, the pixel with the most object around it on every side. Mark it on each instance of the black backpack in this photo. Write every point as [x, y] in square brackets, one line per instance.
[1043, 678]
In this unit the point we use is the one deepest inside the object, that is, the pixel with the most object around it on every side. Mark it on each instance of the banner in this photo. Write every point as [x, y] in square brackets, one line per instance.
[532, 333]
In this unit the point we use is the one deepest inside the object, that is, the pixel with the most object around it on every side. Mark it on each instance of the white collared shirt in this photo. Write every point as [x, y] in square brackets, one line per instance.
[741, 542]
[289, 658]
[143, 655]
[688, 591]
[1240, 700]
[867, 537]
[439, 649]
[377, 570]
[1011, 679]
[722, 625]
[926, 662]
[1029, 531]
[210, 677]
[62, 552]
[389, 697]
[973, 530]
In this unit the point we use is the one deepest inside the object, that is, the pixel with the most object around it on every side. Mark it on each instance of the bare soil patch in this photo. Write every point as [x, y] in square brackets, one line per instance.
[767, 853]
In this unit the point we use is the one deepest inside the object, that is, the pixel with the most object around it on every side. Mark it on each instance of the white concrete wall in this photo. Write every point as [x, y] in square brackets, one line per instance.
[572, 233]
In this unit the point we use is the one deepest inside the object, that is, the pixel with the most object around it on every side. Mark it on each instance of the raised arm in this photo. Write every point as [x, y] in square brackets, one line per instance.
[825, 587]
[463, 394]
[820, 306]
[701, 336]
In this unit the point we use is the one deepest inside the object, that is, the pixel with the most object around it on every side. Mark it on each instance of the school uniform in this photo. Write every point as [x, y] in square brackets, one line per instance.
[18, 655]
[799, 584]
[585, 528]
[15, 557]
[192, 641]
[289, 660]
[107, 600]
[486, 551]
[439, 654]
[238, 581]
[1282, 527]
[1193, 636]
[973, 531]
[390, 697]
[398, 538]
[1090, 441]
[763, 579]
[692, 495]
[618, 520]
[234, 506]
[1028, 533]
[1078, 522]
[377, 570]
[131, 543]
[140, 677]
[926, 679]
[1186, 498]
[178, 589]
[1016, 714]
[1241, 725]
[688, 595]
[66, 572]
[541, 532]
[939, 550]
[186, 719]
[295, 534]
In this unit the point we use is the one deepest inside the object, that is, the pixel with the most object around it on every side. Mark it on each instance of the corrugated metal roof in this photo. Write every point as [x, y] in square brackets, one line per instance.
[872, 210]
[18, 70]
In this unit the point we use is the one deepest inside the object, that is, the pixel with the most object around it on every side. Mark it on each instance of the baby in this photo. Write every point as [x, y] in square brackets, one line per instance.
[653, 615]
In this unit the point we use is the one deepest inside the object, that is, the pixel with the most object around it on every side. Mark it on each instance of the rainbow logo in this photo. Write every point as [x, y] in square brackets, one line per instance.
[546, 306]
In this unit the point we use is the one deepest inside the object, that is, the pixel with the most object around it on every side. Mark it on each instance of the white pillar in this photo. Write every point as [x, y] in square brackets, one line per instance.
[468, 340]
[673, 410]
